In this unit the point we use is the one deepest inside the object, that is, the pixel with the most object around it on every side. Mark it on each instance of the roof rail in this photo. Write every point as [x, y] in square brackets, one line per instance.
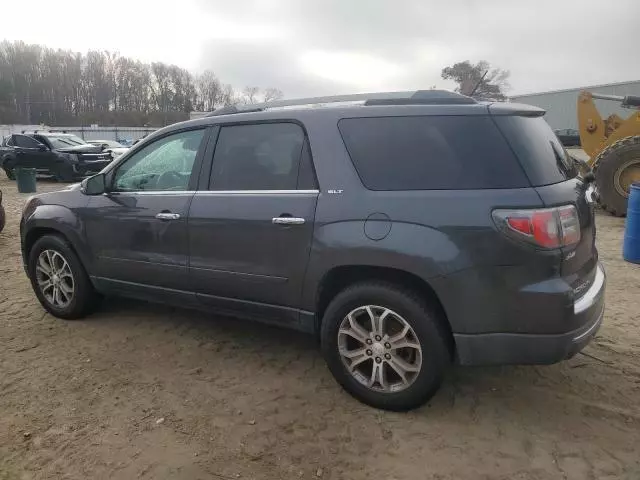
[417, 97]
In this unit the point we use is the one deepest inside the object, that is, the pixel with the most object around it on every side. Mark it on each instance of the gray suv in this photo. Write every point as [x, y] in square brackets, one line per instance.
[409, 231]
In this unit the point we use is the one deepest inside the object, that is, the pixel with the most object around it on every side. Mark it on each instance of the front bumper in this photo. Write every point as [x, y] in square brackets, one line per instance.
[86, 168]
[522, 348]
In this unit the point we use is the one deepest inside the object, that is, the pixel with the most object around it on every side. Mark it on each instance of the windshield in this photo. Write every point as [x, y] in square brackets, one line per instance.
[65, 141]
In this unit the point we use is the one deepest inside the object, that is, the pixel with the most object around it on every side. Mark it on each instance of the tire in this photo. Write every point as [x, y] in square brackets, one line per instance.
[623, 154]
[83, 299]
[2, 218]
[8, 170]
[426, 329]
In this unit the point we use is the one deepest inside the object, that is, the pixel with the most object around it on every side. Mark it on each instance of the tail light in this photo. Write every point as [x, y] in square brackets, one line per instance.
[543, 227]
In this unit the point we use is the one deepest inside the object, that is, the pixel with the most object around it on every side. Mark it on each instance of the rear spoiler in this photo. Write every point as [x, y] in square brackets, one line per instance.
[519, 109]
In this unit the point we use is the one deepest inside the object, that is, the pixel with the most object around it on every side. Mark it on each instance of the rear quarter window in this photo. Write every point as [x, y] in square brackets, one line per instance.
[430, 153]
[541, 154]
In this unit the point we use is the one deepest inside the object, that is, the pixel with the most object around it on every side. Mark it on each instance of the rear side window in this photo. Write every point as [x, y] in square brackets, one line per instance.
[541, 154]
[430, 153]
[25, 142]
[258, 157]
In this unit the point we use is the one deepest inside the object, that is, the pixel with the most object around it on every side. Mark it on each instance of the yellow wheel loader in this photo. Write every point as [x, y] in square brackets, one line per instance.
[613, 146]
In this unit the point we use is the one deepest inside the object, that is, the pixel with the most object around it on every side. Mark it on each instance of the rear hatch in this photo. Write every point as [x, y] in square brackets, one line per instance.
[554, 176]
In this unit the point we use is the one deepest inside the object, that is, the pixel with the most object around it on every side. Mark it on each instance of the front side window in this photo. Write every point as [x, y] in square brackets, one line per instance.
[165, 164]
[257, 157]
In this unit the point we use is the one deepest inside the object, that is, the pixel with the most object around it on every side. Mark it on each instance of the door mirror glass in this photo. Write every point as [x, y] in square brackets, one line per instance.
[94, 185]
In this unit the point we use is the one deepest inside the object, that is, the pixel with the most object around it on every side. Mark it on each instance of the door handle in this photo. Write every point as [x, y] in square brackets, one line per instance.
[167, 216]
[287, 220]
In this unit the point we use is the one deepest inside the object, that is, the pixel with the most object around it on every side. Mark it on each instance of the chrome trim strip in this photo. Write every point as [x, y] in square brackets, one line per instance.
[256, 192]
[216, 192]
[589, 298]
[154, 192]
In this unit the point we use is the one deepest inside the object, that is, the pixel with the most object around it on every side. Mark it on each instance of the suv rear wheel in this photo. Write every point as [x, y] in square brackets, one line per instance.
[384, 345]
[59, 279]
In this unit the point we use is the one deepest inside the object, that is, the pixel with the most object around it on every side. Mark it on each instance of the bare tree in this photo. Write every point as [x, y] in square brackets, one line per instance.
[479, 80]
[210, 92]
[272, 94]
[39, 84]
[250, 95]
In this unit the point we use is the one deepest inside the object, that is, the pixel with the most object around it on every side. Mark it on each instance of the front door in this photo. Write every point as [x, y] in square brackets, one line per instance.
[138, 230]
[31, 154]
[250, 232]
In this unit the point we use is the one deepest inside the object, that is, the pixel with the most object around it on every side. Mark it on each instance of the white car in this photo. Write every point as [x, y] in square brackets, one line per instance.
[112, 146]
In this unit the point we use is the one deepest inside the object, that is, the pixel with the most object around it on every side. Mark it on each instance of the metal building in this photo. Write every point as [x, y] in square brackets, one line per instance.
[561, 105]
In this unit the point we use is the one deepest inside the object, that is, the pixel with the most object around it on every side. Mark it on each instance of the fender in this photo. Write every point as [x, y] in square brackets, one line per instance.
[60, 219]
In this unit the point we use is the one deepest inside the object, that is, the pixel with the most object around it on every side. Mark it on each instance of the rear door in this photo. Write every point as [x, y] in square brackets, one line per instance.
[555, 178]
[250, 228]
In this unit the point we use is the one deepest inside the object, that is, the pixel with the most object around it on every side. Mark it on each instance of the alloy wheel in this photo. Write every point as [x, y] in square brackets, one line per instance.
[379, 348]
[55, 279]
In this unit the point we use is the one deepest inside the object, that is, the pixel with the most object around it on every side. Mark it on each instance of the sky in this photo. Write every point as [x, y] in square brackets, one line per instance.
[324, 47]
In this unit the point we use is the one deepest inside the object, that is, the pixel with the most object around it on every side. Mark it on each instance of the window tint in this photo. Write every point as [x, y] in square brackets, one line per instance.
[538, 148]
[257, 157]
[165, 164]
[25, 142]
[430, 153]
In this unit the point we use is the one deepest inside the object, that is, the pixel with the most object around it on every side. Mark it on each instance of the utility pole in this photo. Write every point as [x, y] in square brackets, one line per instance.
[28, 107]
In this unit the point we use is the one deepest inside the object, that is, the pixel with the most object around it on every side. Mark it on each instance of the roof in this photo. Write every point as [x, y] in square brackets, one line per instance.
[576, 89]
[417, 97]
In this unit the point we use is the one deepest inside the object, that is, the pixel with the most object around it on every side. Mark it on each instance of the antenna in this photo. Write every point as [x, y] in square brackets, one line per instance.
[479, 82]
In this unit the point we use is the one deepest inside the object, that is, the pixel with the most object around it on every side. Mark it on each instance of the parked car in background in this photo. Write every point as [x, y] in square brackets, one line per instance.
[407, 232]
[110, 146]
[568, 137]
[61, 155]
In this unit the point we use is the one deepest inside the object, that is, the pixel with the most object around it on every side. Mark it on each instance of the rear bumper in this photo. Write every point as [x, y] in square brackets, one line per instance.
[522, 348]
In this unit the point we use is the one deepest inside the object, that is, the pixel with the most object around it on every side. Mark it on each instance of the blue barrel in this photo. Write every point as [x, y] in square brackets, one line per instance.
[631, 245]
[26, 179]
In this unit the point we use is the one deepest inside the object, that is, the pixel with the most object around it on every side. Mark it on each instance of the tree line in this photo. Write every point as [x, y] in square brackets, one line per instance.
[61, 87]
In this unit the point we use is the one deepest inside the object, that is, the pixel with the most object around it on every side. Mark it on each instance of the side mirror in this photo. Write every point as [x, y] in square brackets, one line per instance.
[94, 185]
[42, 148]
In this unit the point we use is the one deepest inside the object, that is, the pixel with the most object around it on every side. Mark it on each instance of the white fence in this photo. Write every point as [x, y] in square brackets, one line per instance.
[126, 134]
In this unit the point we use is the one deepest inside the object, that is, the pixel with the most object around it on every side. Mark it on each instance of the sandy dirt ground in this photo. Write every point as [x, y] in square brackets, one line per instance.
[143, 391]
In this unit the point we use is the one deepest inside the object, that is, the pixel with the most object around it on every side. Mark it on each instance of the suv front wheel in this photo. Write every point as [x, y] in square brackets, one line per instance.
[384, 345]
[59, 280]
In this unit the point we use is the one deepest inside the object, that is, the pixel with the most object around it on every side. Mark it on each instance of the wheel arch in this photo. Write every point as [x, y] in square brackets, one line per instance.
[340, 277]
[56, 222]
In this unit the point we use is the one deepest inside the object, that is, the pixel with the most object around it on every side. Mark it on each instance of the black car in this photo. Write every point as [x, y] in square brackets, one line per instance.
[61, 155]
[406, 230]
